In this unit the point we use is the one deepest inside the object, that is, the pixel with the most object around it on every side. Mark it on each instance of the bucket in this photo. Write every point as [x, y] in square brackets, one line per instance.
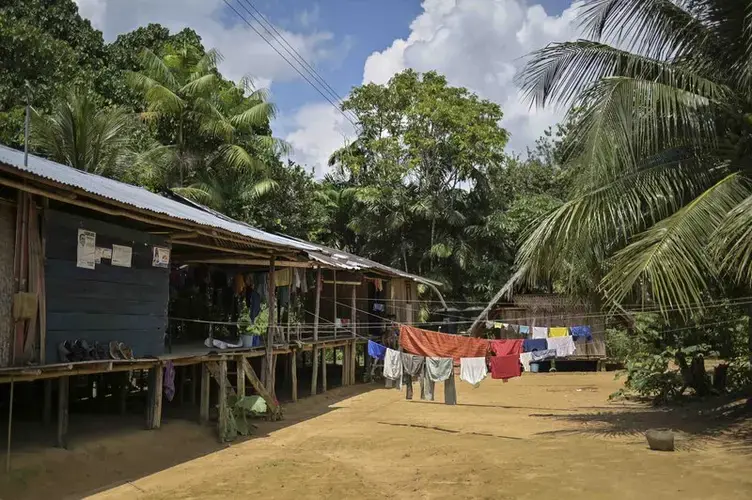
[251, 340]
[534, 367]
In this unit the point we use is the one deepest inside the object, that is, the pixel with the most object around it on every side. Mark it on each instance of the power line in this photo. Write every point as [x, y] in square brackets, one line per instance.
[293, 66]
[280, 38]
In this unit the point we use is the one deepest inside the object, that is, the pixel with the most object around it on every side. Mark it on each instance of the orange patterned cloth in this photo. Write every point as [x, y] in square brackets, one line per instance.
[441, 345]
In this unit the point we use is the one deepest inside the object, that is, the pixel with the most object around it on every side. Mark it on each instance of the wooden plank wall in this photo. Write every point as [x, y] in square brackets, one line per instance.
[7, 242]
[109, 302]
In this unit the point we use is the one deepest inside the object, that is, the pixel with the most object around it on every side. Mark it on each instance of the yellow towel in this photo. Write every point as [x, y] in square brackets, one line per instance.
[558, 331]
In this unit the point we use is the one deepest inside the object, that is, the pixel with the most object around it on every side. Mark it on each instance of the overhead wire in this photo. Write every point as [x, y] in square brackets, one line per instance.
[294, 66]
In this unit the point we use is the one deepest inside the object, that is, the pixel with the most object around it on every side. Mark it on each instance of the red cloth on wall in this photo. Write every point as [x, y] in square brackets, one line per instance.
[505, 367]
[441, 345]
[505, 347]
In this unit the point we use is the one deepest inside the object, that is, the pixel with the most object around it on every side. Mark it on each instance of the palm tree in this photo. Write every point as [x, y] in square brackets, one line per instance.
[80, 133]
[660, 149]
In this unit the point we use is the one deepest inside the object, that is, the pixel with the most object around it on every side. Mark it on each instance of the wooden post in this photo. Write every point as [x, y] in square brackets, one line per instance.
[354, 327]
[272, 328]
[334, 272]
[353, 360]
[10, 426]
[315, 351]
[62, 412]
[274, 376]
[294, 375]
[47, 411]
[124, 388]
[154, 410]
[205, 392]
[194, 383]
[345, 368]
[240, 367]
[323, 368]
[222, 420]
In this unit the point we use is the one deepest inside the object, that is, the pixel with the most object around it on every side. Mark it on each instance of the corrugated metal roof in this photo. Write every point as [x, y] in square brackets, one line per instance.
[138, 197]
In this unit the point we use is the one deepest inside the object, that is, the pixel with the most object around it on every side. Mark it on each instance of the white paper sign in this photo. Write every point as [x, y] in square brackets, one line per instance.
[161, 257]
[86, 249]
[103, 253]
[121, 256]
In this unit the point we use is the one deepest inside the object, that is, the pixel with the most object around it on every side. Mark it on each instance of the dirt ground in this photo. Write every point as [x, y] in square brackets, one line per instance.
[541, 435]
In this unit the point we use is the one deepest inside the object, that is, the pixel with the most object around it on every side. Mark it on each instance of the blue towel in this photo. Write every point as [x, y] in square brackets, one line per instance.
[524, 330]
[581, 331]
[530, 345]
[376, 351]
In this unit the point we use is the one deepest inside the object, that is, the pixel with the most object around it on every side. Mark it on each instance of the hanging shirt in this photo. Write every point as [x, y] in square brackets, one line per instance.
[564, 346]
[558, 332]
[542, 355]
[439, 369]
[524, 330]
[392, 365]
[505, 347]
[540, 332]
[376, 351]
[529, 345]
[473, 370]
[505, 367]
[581, 332]
[525, 359]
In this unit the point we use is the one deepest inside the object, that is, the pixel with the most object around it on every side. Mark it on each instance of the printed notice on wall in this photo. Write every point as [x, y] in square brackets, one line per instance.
[122, 255]
[103, 253]
[86, 249]
[161, 257]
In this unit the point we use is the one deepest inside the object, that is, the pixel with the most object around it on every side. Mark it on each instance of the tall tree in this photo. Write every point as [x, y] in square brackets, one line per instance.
[661, 147]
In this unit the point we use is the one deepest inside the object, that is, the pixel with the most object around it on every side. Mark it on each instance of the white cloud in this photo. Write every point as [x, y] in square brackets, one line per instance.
[317, 130]
[245, 53]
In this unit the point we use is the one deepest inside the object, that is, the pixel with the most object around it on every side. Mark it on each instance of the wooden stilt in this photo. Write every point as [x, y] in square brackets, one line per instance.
[124, 388]
[274, 376]
[223, 409]
[240, 376]
[345, 368]
[47, 410]
[353, 360]
[62, 412]
[194, 383]
[323, 369]
[272, 330]
[294, 375]
[334, 288]
[154, 410]
[314, 369]
[10, 426]
[205, 392]
[271, 403]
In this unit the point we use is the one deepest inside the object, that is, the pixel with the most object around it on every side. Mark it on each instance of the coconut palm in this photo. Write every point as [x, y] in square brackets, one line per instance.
[660, 146]
[80, 133]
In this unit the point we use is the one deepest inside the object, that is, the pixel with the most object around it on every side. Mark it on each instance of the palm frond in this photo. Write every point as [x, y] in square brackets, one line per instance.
[732, 242]
[200, 193]
[156, 69]
[258, 115]
[237, 158]
[200, 86]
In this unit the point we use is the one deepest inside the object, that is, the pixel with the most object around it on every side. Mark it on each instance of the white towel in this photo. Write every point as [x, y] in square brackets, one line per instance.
[540, 332]
[525, 358]
[473, 370]
[564, 346]
[392, 365]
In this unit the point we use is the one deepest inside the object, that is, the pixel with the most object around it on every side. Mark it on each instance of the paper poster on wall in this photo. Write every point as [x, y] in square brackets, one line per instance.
[121, 255]
[86, 249]
[103, 253]
[161, 257]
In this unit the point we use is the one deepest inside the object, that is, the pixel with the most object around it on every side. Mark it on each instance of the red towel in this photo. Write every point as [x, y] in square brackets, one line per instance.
[441, 345]
[505, 347]
[505, 367]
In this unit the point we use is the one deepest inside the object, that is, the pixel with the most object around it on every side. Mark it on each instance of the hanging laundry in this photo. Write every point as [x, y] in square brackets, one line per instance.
[529, 345]
[581, 332]
[427, 386]
[505, 367]
[540, 332]
[261, 285]
[450, 390]
[524, 330]
[542, 355]
[376, 351]
[393, 366]
[505, 347]
[439, 369]
[498, 325]
[283, 296]
[441, 345]
[296, 278]
[558, 331]
[239, 284]
[412, 367]
[489, 325]
[282, 277]
[253, 301]
[304, 281]
[378, 284]
[564, 346]
[525, 359]
[514, 328]
[473, 370]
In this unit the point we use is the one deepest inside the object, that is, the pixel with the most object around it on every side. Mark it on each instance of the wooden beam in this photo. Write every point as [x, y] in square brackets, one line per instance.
[205, 393]
[124, 388]
[271, 403]
[63, 385]
[315, 369]
[272, 329]
[334, 287]
[215, 371]
[353, 361]
[294, 375]
[240, 376]
[183, 236]
[223, 408]
[248, 262]
[217, 248]
[154, 410]
[323, 369]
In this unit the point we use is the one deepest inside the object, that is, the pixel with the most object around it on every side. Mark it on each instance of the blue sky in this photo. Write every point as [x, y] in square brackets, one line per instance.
[478, 44]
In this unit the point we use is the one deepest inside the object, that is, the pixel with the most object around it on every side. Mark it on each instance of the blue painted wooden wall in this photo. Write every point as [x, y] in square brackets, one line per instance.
[109, 302]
